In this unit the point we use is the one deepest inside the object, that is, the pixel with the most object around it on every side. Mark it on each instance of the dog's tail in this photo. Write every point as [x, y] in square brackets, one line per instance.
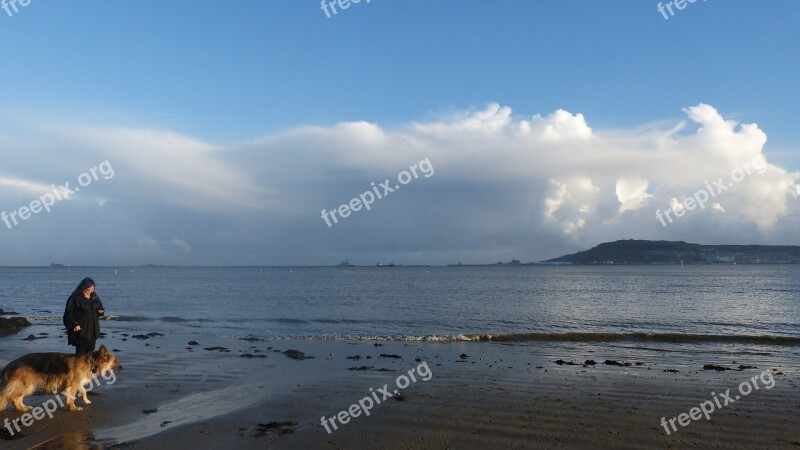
[4, 398]
[5, 389]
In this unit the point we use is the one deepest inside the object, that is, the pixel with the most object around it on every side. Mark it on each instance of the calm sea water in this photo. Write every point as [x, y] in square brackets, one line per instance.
[705, 302]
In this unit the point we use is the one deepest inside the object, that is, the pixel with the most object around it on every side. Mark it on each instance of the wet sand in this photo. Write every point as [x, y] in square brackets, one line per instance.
[479, 395]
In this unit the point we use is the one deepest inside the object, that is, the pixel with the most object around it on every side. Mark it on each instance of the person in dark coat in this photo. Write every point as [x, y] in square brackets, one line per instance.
[82, 317]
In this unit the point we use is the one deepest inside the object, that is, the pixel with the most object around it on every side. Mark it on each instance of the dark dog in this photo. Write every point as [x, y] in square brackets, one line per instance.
[53, 372]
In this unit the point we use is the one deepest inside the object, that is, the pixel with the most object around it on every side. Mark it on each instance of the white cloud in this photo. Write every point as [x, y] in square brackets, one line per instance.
[502, 181]
[148, 244]
[14, 187]
[183, 245]
[569, 203]
[172, 168]
[631, 193]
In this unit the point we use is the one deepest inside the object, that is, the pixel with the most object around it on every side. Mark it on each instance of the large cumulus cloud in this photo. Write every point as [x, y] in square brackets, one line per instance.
[504, 186]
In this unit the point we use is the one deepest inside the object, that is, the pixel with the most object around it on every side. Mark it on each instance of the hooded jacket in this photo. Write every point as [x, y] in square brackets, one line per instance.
[83, 312]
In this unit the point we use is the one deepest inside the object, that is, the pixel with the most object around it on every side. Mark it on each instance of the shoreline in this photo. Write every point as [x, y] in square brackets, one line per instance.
[480, 394]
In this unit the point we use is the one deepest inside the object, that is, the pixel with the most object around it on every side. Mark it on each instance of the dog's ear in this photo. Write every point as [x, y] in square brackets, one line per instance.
[103, 351]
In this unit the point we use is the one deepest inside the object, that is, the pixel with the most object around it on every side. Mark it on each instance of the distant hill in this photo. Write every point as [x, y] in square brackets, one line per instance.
[674, 252]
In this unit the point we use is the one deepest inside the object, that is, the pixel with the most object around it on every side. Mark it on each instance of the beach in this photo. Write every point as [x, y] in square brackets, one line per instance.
[236, 393]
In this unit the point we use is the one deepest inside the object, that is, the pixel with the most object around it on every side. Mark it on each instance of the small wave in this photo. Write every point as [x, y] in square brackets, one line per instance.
[124, 319]
[174, 319]
[338, 321]
[639, 337]
[43, 318]
[132, 319]
[289, 320]
[676, 338]
[59, 318]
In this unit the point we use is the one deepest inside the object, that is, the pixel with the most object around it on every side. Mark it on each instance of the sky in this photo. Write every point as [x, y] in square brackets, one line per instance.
[211, 133]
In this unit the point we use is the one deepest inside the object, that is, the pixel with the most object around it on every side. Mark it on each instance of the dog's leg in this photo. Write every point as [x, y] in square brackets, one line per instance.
[85, 396]
[19, 406]
[70, 394]
[14, 391]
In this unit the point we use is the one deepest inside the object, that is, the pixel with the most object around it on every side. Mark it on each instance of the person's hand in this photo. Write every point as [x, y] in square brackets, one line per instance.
[77, 328]
[101, 311]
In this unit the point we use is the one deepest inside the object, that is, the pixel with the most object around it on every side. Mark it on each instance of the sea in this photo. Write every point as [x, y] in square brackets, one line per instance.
[746, 305]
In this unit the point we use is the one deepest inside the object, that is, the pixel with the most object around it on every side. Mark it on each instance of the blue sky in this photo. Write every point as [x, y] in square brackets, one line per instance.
[231, 73]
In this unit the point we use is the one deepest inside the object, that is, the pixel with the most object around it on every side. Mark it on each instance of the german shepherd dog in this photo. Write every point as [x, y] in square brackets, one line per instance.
[53, 372]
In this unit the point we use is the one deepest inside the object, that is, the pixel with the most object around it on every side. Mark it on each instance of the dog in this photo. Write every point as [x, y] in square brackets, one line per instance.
[54, 372]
